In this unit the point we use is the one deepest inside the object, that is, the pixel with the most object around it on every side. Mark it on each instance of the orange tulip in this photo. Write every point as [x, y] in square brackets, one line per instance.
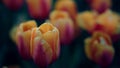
[45, 46]
[23, 36]
[100, 5]
[13, 5]
[39, 9]
[109, 21]
[64, 24]
[68, 6]
[55, 15]
[86, 20]
[99, 49]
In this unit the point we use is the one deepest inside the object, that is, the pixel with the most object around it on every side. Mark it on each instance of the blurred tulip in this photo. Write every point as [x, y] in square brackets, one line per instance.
[100, 5]
[39, 9]
[68, 6]
[45, 47]
[23, 38]
[86, 20]
[99, 49]
[13, 4]
[55, 15]
[64, 24]
[109, 21]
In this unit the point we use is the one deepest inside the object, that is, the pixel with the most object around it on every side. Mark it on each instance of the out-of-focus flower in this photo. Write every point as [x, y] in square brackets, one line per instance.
[99, 49]
[13, 5]
[56, 14]
[86, 20]
[68, 6]
[107, 22]
[45, 45]
[100, 5]
[39, 9]
[65, 25]
[23, 37]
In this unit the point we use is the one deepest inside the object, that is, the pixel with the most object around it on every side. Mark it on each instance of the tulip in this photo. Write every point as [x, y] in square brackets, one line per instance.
[68, 6]
[64, 24]
[13, 5]
[55, 15]
[44, 46]
[100, 5]
[109, 21]
[86, 21]
[39, 9]
[99, 49]
[23, 36]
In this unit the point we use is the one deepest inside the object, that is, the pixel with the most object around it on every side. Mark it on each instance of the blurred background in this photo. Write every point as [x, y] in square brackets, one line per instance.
[71, 56]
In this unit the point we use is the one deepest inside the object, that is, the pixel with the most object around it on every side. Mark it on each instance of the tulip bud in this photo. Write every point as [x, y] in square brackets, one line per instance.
[99, 49]
[23, 36]
[100, 5]
[45, 47]
[64, 24]
[86, 21]
[55, 15]
[13, 5]
[39, 9]
[68, 6]
[109, 21]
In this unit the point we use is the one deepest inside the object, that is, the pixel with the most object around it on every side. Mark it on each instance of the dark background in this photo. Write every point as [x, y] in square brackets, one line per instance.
[71, 56]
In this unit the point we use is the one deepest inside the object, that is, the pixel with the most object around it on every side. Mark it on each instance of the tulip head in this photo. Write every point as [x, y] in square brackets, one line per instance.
[68, 6]
[39, 9]
[64, 24]
[86, 21]
[13, 5]
[55, 15]
[45, 47]
[109, 22]
[23, 36]
[100, 5]
[99, 49]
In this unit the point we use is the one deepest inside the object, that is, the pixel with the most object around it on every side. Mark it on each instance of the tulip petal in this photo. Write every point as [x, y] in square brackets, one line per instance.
[42, 54]
[51, 35]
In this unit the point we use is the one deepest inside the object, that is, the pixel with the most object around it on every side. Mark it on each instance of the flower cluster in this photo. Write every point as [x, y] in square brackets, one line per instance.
[64, 23]
[39, 43]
